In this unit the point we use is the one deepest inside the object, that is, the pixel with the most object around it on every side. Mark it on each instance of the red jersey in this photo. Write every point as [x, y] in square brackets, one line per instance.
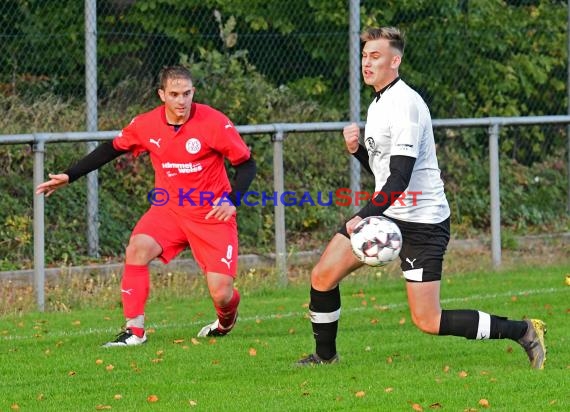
[189, 162]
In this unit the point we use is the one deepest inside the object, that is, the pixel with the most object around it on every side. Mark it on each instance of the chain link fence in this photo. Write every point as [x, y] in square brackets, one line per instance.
[274, 61]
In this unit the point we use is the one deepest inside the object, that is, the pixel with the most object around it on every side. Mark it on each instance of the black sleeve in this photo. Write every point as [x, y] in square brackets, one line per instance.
[102, 154]
[362, 155]
[244, 174]
[401, 168]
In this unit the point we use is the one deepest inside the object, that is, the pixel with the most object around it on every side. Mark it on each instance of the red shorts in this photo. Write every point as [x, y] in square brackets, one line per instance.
[214, 243]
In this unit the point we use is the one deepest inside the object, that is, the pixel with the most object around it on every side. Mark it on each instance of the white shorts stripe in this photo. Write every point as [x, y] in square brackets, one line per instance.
[484, 327]
[416, 275]
[319, 317]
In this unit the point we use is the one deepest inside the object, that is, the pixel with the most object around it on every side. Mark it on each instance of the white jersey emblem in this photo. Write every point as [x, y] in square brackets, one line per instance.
[193, 145]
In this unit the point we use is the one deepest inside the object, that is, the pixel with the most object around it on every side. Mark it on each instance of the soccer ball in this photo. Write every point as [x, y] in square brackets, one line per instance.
[376, 241]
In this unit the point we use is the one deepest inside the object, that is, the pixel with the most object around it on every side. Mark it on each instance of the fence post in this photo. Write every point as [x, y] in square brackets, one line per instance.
[568, 104]
[354, 86]
[278, 187]
[38, 147]
[495, 194]
[91, 119]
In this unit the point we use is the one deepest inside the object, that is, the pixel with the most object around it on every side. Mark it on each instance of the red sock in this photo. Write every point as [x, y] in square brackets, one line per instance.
[137, 331]
[135, 287]
[227, 314]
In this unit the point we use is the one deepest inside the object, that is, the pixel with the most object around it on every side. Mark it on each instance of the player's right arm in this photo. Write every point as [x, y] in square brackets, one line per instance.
[127, 140]
[351, 135]
[103, 154]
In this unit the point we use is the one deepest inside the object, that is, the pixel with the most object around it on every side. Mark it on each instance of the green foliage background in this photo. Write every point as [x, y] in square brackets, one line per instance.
[468, 59]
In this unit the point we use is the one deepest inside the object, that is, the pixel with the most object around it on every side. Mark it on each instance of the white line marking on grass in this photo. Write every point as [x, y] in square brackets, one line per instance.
[98, 331]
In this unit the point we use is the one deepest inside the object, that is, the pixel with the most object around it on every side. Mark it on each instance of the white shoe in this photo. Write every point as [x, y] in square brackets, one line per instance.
[215, 329]
[126, 338]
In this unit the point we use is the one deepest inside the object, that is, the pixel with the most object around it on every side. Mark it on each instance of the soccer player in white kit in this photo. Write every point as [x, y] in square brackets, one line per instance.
[398, 148]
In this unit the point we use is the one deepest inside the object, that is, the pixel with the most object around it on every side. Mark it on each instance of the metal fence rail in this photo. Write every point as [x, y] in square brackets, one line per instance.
[278, 133]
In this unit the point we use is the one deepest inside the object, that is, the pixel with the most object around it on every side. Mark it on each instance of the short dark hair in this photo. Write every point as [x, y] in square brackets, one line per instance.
[172, 72]
[392, 34]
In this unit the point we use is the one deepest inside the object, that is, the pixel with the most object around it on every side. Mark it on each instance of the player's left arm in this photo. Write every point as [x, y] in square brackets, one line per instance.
[232, 146]
[244, 174]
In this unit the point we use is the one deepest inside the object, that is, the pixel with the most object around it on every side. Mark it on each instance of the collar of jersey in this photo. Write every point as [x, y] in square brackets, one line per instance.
[380, 92]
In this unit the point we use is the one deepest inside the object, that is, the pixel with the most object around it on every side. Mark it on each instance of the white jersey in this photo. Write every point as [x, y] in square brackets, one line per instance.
[399, 123]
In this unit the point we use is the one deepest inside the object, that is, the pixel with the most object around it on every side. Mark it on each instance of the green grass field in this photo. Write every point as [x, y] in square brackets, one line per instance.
[53, 362]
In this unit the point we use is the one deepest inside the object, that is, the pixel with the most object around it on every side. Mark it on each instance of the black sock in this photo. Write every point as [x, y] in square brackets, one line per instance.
[461, 322]
[502, 328]
[473, 324]
[325, 312]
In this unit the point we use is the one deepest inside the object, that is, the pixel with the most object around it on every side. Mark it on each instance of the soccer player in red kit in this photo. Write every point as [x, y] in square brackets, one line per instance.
[192, 204]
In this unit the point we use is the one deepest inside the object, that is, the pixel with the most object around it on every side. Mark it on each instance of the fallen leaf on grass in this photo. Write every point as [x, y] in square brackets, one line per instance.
[71, 373]
[118, 397]
[417, 407]
[292, 331]
[436, 405]
[484, 403]
[252, 352]
[109, 367]
[360, 394]
[193, 403]
[195, 341]
[446, 368]
[98, 361]
[402, 321]
[388, 390]
[15, 407]
[177, 341]
[463, 374]
[102, 407]
[152, 398]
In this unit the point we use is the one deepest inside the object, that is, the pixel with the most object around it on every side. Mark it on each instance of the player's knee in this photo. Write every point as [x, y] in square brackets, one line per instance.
[427, 324]
[221, 296]
[141, 250]
[322, 279]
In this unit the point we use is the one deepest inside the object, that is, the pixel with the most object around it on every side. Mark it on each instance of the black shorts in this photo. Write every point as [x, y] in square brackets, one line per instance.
[423, 248]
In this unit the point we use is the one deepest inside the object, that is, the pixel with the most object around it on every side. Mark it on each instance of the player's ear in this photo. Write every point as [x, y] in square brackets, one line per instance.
[396, 60]
[161, 95]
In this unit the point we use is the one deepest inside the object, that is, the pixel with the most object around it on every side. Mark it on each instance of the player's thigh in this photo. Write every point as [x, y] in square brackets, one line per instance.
[214, 245]
[163, 226]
